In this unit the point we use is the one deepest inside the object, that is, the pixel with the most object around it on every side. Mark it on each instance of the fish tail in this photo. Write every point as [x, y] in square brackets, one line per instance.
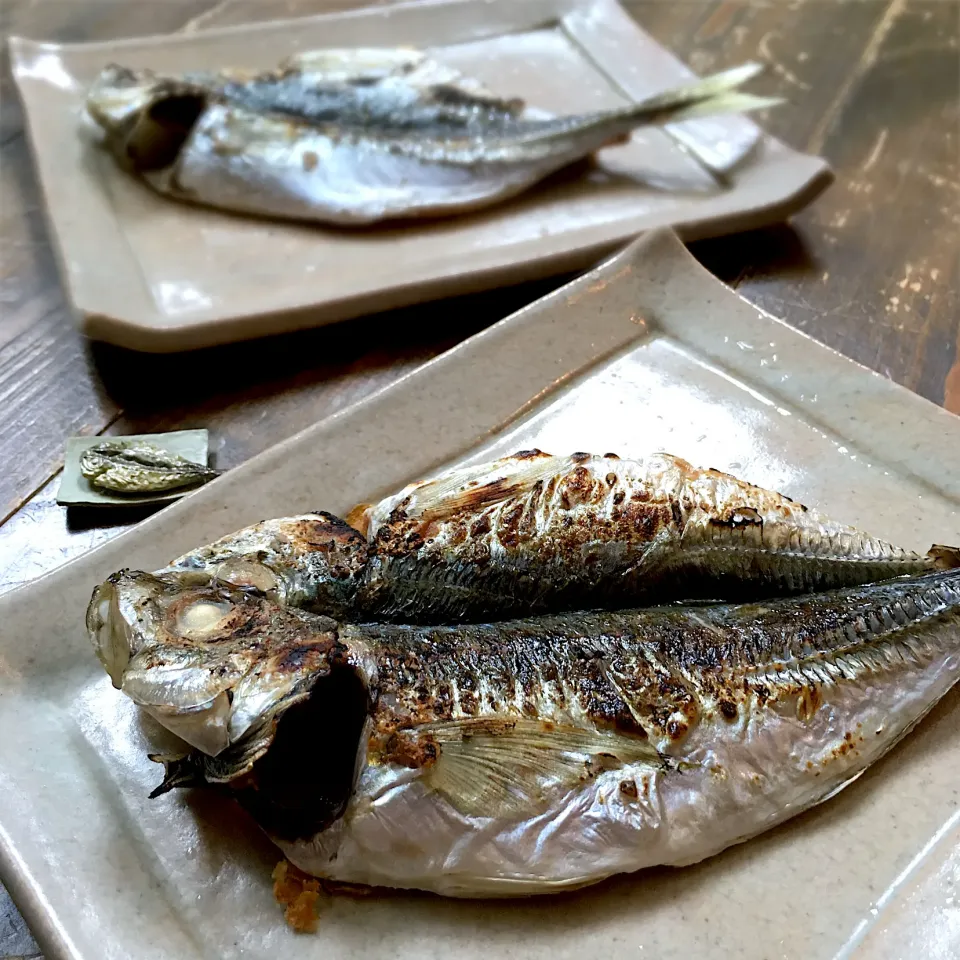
[710, 96]
[716, 94]
[944, 558]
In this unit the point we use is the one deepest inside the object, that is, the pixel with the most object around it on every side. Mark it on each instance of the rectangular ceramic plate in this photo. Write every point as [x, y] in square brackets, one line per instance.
[153, 274]
[647, 352]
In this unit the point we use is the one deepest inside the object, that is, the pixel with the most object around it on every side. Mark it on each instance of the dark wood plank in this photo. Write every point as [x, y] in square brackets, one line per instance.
[885, 238]
[871, 269]
[15, 938]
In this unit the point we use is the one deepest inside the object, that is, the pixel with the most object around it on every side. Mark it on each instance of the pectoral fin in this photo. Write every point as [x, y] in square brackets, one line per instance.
[496, 766]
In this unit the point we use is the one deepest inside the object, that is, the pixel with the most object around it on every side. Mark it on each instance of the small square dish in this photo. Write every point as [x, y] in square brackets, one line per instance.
[153, 274]
[647, 352]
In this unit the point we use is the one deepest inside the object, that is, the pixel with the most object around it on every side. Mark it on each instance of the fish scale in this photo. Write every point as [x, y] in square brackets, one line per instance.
[606, 533]
[329, 138]
[473, 760]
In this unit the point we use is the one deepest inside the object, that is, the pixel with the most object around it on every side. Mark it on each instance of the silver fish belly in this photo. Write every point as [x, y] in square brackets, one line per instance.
[356, 137]
[537, 755]
[534, 533]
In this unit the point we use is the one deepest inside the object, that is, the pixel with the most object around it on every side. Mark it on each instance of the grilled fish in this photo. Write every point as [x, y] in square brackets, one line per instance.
[534, 533]
[360, 136]
[534, 755]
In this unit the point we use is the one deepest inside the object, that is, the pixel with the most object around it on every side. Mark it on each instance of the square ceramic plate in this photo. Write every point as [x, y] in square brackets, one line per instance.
[76, 490]
[152, 274]
[647, 352]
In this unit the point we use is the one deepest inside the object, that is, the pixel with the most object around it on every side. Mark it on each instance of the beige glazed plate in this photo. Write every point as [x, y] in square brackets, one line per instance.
[648, 352]
[149, 273]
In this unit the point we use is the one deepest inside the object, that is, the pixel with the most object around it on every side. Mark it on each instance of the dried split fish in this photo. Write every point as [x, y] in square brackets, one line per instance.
[123, 466]
[534, 533]
[360, 136]
[535, 755]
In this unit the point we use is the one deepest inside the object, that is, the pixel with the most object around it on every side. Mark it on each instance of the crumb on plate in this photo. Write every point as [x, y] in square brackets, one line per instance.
[300, 893]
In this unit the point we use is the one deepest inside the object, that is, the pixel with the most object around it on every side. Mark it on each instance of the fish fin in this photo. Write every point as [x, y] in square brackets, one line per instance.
[470, 489]
[712, 88]
[707, 95]
[840, 786]
[505, 765]
[710, 96]
[359, 517]
[179, 770]
[944, 558]
[724, 104]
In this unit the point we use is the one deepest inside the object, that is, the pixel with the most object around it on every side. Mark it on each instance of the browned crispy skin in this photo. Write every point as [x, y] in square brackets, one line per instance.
[648, 676]
[532, 533]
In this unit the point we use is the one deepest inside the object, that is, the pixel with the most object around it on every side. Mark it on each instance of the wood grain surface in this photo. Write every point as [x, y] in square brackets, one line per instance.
[872, 269]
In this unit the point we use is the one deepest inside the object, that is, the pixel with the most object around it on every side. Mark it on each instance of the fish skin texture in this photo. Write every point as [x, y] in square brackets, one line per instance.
[536, 755]
[357, 137]
[532, 533]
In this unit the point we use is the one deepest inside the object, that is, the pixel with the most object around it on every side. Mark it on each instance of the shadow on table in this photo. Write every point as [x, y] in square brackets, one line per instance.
[175, 391]
[772, 252]
[99, 518]
[144, 384]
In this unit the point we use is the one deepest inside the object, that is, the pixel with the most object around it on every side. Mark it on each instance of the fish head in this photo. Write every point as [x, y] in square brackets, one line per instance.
[126, 612]
[119, 94]
[215, 664]
[314, 561]
[145, 118]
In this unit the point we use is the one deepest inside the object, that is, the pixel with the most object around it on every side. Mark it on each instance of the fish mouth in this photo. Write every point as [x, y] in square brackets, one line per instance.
[159, 133]
[304, 781]
[146, 119]
[109, 630]
[296, 769]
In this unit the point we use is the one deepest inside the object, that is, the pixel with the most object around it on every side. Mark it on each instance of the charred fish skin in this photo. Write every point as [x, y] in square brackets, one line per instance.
[534, 533]
[538, 755]
[356, 137]
[530, 758]
[312, 561]
[392, 90]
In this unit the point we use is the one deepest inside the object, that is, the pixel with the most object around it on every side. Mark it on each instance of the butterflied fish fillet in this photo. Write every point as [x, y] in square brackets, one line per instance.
[534, 755]
[359, 136]
[536, 533]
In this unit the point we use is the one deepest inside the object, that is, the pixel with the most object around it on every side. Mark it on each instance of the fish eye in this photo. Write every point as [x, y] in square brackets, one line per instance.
[246, 573]
[201, 618]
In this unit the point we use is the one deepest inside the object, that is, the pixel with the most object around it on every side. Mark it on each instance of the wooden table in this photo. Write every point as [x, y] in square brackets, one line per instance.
[871, 270]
